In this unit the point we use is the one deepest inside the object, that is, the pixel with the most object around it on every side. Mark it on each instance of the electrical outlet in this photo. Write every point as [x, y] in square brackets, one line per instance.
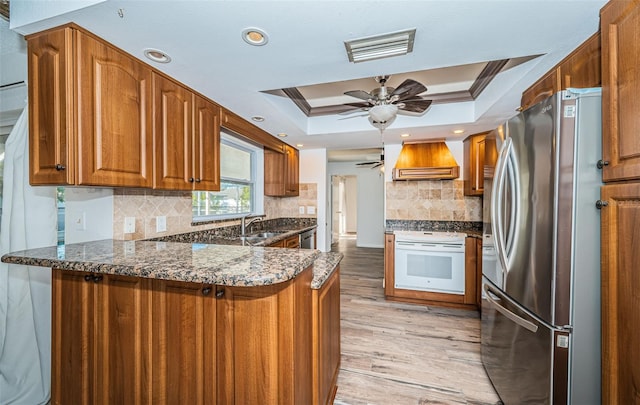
[301, 209]
[311, 209]
[129, 224]
[161, 223]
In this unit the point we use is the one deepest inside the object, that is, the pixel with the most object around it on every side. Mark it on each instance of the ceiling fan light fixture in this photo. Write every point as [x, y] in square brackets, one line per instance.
[383, 112]
[380, 46]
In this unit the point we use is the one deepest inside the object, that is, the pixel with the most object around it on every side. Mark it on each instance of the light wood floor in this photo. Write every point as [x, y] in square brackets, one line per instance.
[401, 354]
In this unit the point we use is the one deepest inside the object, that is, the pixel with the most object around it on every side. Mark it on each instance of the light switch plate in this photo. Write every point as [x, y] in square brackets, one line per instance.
[311, 209]
[129, 224]
[301, 209]
[81, 221]
[161, 223]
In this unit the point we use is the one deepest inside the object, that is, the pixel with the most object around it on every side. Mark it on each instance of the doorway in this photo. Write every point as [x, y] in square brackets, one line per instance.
[344, 207]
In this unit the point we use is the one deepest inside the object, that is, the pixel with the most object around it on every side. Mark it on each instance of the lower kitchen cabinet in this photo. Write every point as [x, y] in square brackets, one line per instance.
[472, 277]
[131, 340]
[100, 339]
[620, 251]
[184, 343]
[264, 349]
[292, 242]
[326, 340]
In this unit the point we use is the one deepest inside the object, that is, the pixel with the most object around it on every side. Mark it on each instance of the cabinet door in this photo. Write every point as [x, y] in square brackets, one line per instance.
[470, 271]
[206, 154]
[474, 151]
[274, 173]
[122, 340]
[114, 116]
[581, 69]
[620, 88]
[389, 264]
[326, 340]
[172, 106]
[620, 286]
[184, 343]
[51, 117]
[292, 171]
[72, 327]
[548, 85]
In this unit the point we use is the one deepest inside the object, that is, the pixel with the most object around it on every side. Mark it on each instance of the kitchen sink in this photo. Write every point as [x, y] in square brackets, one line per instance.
[259, 237]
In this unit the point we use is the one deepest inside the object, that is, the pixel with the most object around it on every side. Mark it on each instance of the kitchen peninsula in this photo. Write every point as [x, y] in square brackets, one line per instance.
[168, 322]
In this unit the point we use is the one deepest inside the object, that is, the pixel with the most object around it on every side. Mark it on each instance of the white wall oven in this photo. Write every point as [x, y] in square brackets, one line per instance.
[430, 261]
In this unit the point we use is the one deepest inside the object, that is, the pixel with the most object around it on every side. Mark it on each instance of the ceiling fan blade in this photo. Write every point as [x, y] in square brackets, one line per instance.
[408, 89]
[377, 165]
[361, 94]
[416, 105]
[365, 163]
[352, 116]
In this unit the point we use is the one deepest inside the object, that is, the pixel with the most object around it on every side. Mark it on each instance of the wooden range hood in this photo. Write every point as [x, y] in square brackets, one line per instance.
[426, 160]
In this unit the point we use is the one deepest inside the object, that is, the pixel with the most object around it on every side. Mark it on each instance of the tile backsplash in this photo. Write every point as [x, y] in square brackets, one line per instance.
[436, 200]
[146, 205]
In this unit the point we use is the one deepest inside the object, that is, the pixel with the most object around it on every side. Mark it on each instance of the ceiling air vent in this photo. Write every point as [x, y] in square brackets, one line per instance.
[380, 46]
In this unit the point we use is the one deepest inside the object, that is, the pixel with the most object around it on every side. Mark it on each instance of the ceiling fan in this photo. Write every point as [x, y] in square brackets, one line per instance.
[383, 103]
[372, 164]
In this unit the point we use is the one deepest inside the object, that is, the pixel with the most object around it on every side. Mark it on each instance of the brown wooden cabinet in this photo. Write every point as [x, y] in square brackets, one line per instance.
[620, 285]
[101, 341]
[187, 138]
[281, 172]
[546, 86]
[474, 156]
[326, 340]
[620, 218]
[122, 340]
[264, 352]
[581, 69]
[90, 121]
[292, 242]
[184, 342]
[619, 22]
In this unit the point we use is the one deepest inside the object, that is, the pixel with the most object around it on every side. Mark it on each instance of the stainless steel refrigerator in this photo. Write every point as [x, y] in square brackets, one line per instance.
[541, 254]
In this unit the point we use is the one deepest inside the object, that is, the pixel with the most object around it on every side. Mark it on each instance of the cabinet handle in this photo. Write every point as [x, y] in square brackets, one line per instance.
[88, 278]
[60, 167]
[219, 293]
[198, 180]
[190, 179]
[97, 279]
[206, 291]
[601, 204]
[602, 163]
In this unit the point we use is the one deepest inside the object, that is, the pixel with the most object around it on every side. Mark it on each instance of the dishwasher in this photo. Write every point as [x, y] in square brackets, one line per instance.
[307, 239]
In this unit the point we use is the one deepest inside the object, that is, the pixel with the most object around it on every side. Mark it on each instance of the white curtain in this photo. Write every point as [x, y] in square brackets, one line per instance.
[29, 217]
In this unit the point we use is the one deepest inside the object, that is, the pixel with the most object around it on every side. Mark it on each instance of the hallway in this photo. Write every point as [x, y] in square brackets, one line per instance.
[399, 354]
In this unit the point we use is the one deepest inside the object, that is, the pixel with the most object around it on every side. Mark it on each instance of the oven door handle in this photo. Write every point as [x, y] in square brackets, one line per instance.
[530, 326]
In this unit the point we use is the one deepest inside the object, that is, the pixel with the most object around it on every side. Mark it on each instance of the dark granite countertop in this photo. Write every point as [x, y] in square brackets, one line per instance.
[189, 262]
[472, 229]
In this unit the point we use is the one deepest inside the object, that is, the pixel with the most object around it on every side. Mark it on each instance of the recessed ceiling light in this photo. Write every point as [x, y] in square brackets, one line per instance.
[257, 118]
[458, 131]
[405, 135]
[255, 36]
[157, 55]
[282, 135]
[299, 145]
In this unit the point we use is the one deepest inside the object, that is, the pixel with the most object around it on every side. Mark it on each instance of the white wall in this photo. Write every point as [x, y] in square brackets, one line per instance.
[94, 207]
[350, 210]
[370, 227]
[313, 169]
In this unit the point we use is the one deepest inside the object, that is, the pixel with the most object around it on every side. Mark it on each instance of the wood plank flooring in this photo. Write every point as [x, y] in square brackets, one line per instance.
[394, 353]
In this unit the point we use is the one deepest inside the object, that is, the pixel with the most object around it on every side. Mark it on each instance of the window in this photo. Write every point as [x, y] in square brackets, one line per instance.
[240, 183]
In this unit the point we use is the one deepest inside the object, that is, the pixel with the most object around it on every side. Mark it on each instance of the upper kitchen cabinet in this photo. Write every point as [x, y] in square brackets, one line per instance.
[282, 172]
[581, 69]
[545, 87]
[187, 138]
[247, 130]
[619, 22]
[90, 105]
[474, 154]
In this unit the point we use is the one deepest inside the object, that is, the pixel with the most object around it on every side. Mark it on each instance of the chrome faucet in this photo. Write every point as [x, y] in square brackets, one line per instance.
[244, 224]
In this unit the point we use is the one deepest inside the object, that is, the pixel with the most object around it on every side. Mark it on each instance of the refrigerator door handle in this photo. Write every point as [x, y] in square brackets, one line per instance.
[530, 326]
[497, 227]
